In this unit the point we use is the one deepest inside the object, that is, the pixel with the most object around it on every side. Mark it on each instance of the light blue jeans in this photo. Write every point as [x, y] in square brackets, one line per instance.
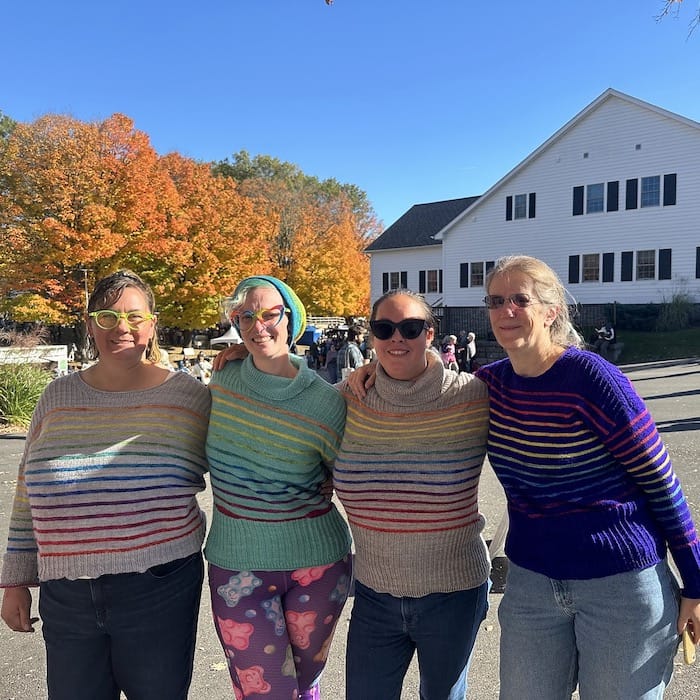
[386, 631]
[615, 636]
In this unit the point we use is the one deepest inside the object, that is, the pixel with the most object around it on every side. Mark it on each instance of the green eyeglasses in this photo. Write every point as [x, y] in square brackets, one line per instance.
[270, 318]
[107, 319]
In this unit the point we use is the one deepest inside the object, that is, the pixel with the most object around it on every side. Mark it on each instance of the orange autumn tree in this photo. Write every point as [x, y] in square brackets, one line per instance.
[321, 228]
[216, 237]
[76, 198]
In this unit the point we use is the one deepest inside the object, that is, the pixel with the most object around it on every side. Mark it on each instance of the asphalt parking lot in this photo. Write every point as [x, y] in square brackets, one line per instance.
[672, 392]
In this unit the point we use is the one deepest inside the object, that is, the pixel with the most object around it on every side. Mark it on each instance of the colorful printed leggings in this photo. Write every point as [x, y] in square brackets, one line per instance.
[276, 627]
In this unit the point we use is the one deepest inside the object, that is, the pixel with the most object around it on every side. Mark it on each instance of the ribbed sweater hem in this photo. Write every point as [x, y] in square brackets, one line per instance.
[246, 545]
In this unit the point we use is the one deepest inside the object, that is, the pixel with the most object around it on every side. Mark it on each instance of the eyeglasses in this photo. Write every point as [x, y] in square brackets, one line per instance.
[270, 318]
[106, 319]
[409, 328]
[495, 301]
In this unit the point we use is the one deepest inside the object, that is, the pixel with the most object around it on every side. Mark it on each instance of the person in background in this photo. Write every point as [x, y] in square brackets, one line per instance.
[593, 506]
[332, 347]
[202, 368]
[407, 474]
[470, 352]
[349, 355]
[448, 350]
[278, 549]
[105, 518]
[605, 337]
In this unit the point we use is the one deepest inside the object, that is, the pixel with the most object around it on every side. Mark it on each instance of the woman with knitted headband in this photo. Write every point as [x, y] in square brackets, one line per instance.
[278, 549]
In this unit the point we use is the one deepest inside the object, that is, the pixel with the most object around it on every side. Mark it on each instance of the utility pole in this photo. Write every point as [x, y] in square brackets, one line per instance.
[85, 271]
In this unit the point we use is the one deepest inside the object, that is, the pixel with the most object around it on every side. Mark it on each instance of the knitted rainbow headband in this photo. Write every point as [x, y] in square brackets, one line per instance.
[297, 312]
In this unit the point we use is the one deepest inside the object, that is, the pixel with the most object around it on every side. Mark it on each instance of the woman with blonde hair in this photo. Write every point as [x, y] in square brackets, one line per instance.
[593, 506]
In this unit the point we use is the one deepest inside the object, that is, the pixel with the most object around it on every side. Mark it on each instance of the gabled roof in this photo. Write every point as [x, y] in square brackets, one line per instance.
[609, 94]
[419, 224]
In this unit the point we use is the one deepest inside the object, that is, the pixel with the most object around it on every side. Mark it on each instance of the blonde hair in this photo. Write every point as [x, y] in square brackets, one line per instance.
[548, 289]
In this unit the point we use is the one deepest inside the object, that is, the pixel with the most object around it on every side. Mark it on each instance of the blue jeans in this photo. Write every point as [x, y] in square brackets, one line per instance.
[615, 636]
[385, 631]
[130, 632]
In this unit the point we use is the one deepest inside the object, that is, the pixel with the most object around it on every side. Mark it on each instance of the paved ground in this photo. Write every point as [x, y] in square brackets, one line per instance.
[672, 392]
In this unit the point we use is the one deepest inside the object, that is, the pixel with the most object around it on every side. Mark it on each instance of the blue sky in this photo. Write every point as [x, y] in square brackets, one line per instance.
[412, 101]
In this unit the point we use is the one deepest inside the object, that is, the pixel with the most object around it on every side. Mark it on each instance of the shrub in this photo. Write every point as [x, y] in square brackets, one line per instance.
[20, 389]
[675, 314]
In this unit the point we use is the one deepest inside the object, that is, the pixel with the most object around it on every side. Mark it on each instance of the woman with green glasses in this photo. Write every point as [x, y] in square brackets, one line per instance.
[105, 519]
[278, 549]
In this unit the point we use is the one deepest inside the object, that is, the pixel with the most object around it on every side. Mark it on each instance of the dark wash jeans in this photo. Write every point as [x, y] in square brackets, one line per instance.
[385, 631]
[124, 632]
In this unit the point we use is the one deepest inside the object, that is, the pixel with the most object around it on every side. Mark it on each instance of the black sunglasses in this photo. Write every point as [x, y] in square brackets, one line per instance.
[495, 301]
[409, 328]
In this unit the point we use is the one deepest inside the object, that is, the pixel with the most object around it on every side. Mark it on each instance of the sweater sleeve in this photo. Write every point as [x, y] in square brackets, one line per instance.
[20, 565]
[634, 441]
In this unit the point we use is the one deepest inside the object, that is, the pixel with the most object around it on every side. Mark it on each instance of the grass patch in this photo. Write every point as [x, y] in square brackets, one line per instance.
[653, 346]
[20, 389]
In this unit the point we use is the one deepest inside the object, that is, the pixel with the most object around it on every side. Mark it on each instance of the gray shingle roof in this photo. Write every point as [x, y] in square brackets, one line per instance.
[420, 223]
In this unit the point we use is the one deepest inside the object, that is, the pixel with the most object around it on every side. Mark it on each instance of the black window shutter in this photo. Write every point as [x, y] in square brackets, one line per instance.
[440, 281]
[608, 267]
[404, 280]
[669, 189]
[421, 282]
[626, 265]
[697, 263]
[573, 269]
[531, 205]
[613, 195]
[509, 208]
[578, 201]
[385, 282]
[464, 274]
[665, 264]
[631, 194]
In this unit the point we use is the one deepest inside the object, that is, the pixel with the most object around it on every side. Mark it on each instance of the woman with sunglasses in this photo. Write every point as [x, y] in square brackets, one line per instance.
[593, 504]
[105, 519]
[278, 549]
[407, 473]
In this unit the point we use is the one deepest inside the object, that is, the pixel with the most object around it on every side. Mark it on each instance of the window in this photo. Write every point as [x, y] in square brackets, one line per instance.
[394, 280]
[591, 267]
[433, 285]
[646, 264]
[521, 206]
[651, 191]
[477, 274]
[595, 197]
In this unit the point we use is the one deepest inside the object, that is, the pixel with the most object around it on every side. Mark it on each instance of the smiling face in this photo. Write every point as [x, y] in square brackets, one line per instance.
[265, 343]
[400, 358]
[517, 329]
[123, 342]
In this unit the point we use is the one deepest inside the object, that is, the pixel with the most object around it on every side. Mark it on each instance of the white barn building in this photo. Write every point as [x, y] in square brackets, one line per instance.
[611, 201]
